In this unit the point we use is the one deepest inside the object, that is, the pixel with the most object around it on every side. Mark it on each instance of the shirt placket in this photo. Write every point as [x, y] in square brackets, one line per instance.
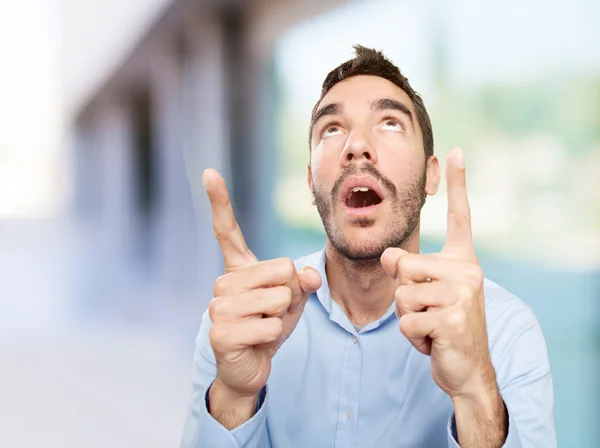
[348, 410]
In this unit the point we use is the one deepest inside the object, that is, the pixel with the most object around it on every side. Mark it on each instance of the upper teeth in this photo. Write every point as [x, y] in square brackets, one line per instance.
[354, 190]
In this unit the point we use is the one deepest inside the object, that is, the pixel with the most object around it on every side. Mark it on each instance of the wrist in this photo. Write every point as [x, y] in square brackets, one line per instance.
[481, 417]
[487, 404]
[481, 386]
[222, 393]
[229, 407]
[480, 395]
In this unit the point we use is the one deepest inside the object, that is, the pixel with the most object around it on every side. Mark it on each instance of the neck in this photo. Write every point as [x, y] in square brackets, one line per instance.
[362, 288]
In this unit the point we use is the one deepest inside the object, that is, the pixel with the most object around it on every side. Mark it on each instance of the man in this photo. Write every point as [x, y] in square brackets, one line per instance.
[368, 343]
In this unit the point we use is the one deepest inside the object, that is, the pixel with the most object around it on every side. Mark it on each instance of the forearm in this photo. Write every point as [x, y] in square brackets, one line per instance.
[482, 420]
[228, 409]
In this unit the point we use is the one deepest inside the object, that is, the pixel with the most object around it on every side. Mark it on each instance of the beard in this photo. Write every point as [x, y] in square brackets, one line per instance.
[406, 204]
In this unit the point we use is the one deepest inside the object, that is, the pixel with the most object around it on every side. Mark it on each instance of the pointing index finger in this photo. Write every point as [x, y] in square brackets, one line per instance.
[227, 231]
[459, 236]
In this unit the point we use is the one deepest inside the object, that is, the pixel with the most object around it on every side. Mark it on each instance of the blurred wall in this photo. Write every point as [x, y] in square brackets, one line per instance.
[97, 37]
[194, 93]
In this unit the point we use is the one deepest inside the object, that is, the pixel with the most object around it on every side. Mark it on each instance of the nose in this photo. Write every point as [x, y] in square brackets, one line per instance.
[358, 147]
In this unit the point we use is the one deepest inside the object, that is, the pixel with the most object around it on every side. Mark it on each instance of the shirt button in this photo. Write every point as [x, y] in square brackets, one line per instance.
[354, 339]
[348, 415]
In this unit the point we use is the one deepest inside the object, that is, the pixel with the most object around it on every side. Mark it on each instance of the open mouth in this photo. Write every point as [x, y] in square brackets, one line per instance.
[361, 197]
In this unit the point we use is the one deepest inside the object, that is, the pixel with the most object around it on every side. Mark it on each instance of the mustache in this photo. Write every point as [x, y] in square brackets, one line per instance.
[366, 168]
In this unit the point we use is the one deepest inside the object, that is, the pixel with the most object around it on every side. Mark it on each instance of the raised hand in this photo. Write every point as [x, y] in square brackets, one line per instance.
[439, 298]
[256, 307]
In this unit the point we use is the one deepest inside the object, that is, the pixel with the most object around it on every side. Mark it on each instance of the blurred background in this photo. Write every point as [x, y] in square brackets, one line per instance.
[111, 110]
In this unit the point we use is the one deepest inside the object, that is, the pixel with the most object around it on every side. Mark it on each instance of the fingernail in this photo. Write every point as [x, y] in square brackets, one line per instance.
[205, 178]
[460, 158]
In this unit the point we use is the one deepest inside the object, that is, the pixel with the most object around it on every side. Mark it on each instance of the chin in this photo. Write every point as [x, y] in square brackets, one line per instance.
[360, 243]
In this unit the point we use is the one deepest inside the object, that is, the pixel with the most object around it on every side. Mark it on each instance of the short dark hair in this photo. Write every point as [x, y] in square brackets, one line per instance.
[369, 61]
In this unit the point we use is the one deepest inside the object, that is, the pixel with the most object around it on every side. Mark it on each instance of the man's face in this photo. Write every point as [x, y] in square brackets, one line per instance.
[367, 168]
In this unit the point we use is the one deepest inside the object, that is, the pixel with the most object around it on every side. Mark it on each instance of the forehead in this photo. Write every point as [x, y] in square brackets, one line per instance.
[362, 89]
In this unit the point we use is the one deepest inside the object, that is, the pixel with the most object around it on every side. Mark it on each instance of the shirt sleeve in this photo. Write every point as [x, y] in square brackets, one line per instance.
[520, 359]
[513, 440]
[201, 430]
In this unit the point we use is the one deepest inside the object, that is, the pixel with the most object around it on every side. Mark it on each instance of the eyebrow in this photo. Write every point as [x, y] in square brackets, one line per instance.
[381, 104]
[330, 109]
[390, 104]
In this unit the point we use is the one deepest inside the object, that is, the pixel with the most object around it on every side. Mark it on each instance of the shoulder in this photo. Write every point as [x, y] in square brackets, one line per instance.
[501, 304]
[514, 333]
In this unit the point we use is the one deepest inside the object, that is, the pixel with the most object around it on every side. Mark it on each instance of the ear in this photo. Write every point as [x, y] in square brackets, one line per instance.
[433, 175]
[310, 185]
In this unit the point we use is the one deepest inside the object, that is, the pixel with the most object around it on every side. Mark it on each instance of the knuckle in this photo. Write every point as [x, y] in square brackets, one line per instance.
[216, 337]
[282, 297]
[217, 308]
[406, 325]
[404, 263]
[285, 293]
[275, 329]
[475, 273]
[457, 319]
[287, 266]
[402, 295]
[462, 216]
[220, 286]
[219, 234]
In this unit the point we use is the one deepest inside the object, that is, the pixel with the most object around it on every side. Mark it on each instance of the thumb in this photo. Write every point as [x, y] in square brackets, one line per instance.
[389, 260]
[310, 280]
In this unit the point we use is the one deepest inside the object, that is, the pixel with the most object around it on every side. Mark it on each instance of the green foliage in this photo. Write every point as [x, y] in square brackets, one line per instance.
[567, 110]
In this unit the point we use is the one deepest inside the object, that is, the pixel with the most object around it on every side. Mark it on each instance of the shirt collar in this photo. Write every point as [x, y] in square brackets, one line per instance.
[323, 293]
[317, 261]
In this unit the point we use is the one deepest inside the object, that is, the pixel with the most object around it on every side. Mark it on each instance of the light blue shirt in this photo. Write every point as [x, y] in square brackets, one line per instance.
[331, 386]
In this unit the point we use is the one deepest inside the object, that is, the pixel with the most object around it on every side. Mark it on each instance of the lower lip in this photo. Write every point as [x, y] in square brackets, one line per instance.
[361, 211]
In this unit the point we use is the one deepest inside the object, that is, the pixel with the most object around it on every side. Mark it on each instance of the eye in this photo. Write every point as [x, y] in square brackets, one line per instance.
[392, 124]
[331, 130]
